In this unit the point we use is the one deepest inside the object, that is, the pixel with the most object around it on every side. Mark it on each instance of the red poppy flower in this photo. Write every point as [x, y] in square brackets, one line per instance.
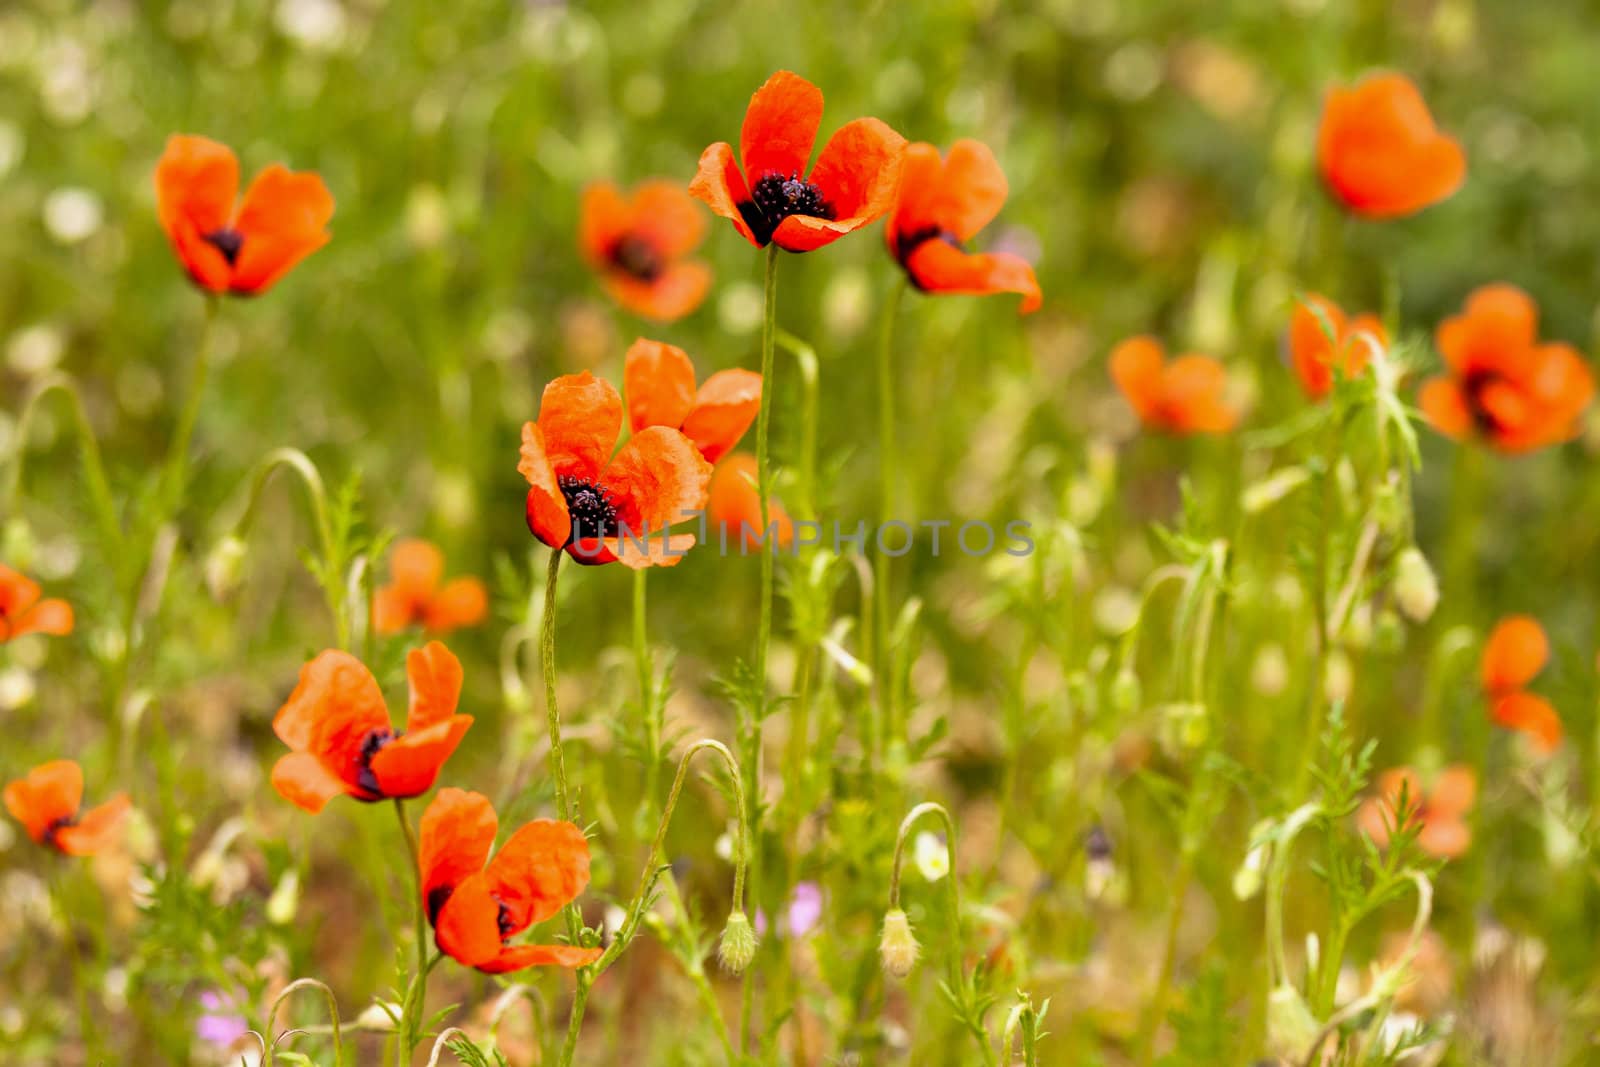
[22, 612]
[735, 506]
[415, 593]
[941, 205]
[282, 219]
[1503, 384]
[343, 742]
[600, 507]
[1441, 812]
[638, 245]
[1315, 353]
[659, 381]
[772, 199]
[1182, 396]
[1381, 154]
[477, 904]
[1515, 653]
[47, 802]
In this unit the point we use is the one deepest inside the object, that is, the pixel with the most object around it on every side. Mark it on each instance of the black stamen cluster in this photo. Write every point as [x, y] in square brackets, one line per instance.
[775, 197]
[371, 745]
[637, 258]
[228, 241]
[1476, 383]
[593, 511]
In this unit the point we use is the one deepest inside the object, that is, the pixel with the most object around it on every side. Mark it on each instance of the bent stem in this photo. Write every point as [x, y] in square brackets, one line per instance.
[293, 459]
[417, 991]
[105, 510]
[270, 1044]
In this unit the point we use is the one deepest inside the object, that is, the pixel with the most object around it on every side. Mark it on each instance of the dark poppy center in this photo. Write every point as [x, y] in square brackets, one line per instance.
[437, 897]
[591, 506]
[373, 743]
[228, 241]
[775, 197]
[1476, 384]
[907, 242]
[504, 921]
[637, 258]
[53, 831]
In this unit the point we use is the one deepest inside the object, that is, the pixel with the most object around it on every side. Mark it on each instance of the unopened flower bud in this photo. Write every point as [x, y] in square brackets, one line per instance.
[1290, 1025]
[285, 899]
[224, 565]
[1247, 879]
[1416, 590]
[738, 945]
[899, 945]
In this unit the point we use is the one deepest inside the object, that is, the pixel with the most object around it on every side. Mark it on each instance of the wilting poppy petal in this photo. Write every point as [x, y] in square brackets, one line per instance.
[459, 602]
[659, 479]
[304, 781]
[1532, 715]
[971, 190]
[659, 381]
[336, 703]
[780, 127]
[48, 795]
[723, 409]
[95, 829]
[678, 290]
[520, 957]
[1517, 650]
[580, 416]
[409, 765]
[937, 266]
[282, 220]
[720, 185]
[538, 871]
[455, 837]
[467, 927]
[548, 518]
[1136, 367]
[434, 674]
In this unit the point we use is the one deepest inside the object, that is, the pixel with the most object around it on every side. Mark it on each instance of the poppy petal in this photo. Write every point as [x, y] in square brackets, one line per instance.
[780, 127]
[805, 233]
[636, 552]
[434, 674]
[920, 170]
[659, 479]
[658, 379]
[604, 217]
[671, 295]
[1315, 329]
[1445, 838]
[335, 705]
[734, 507]
[392, 610]
[1517, 650]
[1495, 331]
[1532, 715]
[1137, 365]
[49, 794]
[415, 566]
[1561, 382]
[460, 602]
[858, 171]
[539, 870]
[520, 957]
[46, 617]
[1455, 791]
[971, 191]
[666, 216]
[409, 765]
[1193, 389]
[939, 267]
[96, 829]
[282, 220]
[18, 592]
[467, 927]
[725, 406]
[548, 518]
[304, 781]
[721, 187]
[196, 182]
[1446, 409]
[454, 840]
[580, 416]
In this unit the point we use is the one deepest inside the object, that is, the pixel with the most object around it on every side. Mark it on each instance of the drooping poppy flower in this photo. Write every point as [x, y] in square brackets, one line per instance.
[659, 381]
[48, 803]
[22, 612]
[772, 199]
[734, 507]
[600, 507]
[638, 244]
[1441, 812]
[338, 727]
[1381, 154]
[477, 905]
[1183, 396]
[1315, 353]
[282, 219]
[415, 593]
[1503, 385]
[941, 205]
[1515, 653]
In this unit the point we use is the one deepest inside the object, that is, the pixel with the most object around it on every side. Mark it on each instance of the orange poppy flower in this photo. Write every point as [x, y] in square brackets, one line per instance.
[659, 381]
[1183, 396]
[1515, 653]
[735, 506]
[338, 727]
[941, 205]
[1503, 384]
[22, 612]
[638, 245]
[1315, 354]
[477, 904]
[600, 507]
[772, 199]
[48, 801]
[1380, 153]
[416, 595]
[1441, 812]
[281, 220]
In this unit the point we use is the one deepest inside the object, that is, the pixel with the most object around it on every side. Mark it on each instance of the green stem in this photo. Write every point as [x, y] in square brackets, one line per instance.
[547, 641]
[647, 699]
[881, 667]
[105, 509]
[417, 993]
[178, 452]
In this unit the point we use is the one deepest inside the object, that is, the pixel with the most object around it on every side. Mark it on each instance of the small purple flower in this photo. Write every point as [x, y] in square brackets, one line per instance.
[216, 1027]
[805, 910]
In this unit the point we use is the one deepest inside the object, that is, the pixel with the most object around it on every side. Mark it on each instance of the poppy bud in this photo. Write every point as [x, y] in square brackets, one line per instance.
[738, 945]
[898, 948]
[1247, 879]
[224, 565]
[285, 899]
[1291, 1028]
[1416, 590]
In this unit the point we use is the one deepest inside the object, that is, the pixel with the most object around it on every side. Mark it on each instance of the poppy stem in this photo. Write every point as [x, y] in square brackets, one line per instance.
[417, 992]
[547, 654]
[882, 669]
[648, 706]
[178, 452]
[105, 509]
